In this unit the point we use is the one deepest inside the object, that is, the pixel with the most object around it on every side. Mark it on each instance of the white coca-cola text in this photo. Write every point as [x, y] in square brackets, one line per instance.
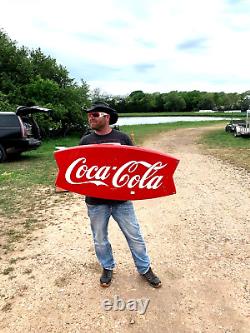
[125, 175]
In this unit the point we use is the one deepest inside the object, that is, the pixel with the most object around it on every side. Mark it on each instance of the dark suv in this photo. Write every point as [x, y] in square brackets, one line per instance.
[19, 131]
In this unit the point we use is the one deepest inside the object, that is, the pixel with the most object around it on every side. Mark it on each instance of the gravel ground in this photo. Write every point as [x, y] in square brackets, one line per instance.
[198, 241]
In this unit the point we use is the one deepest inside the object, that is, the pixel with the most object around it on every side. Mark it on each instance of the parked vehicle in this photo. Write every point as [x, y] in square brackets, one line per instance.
[19, 131]
[243, 131]
[231, 127]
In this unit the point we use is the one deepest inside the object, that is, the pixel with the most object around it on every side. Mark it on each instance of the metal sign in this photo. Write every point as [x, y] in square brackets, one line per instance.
[116, 172]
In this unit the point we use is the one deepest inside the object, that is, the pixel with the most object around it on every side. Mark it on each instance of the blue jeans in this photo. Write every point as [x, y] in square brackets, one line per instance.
[124, 215]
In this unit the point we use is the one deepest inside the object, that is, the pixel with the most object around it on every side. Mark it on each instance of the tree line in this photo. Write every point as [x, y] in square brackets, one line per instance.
[29, 77]
[179, 101]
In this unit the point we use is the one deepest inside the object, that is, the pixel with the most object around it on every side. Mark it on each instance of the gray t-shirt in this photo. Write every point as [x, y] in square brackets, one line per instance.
[113, 137]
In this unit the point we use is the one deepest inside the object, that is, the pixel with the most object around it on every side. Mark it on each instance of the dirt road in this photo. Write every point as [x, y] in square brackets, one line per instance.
[198, 241]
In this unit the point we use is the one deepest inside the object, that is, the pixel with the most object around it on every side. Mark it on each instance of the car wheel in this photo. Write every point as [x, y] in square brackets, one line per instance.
[2, 154]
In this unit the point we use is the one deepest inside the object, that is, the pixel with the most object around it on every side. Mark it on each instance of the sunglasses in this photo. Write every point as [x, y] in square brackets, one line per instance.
[97, 114]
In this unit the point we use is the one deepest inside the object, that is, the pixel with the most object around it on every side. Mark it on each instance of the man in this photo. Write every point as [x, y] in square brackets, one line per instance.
[100, 117]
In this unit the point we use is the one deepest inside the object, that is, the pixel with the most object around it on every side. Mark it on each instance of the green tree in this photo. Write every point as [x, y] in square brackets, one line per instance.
[173, 102]
[31, 77]
[15, 68]
[206, 102]
[136, 101]
[42, 91]
[47, 68]
[192, 99]
[156, 102]
[4, 104]
[245, 102]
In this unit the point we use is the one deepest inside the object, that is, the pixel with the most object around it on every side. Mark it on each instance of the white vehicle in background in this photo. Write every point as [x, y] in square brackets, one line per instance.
[243, 130]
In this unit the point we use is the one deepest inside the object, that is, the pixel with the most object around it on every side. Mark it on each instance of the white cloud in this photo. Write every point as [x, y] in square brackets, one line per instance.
[116, 35]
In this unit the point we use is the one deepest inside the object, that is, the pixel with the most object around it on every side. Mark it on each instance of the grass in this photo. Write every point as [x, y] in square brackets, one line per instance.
[23, 186]
[18, 178]
[225, 146]
[223, 139]
[34, 167]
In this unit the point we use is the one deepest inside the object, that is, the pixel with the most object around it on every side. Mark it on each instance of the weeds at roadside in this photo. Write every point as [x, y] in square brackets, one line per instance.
[13, 261]
[14, 235]
[8, 270]
[27, 271]
[30, 224]
[8, 248]
[7, 307]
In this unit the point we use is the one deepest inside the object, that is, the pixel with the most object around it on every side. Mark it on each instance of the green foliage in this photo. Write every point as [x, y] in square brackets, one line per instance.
[178, 101]
[245, 103]
[4, 104]
[174, 102]
[206, 102]
[42, 90]
[29, 77]
[136, 101]
[47, 68]
[15, 69]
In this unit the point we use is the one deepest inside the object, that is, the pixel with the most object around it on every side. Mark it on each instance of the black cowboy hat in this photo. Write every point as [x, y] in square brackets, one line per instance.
[104, 107]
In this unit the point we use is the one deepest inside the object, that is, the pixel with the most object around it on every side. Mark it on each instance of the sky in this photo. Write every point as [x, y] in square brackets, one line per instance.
[119, 46]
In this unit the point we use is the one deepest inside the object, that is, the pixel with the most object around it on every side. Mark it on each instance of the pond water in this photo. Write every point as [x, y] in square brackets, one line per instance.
[157, 120]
